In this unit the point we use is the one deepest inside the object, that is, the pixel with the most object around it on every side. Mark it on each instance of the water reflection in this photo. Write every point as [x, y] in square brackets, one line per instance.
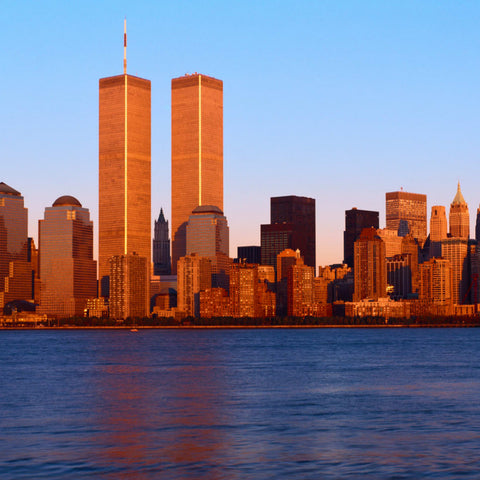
[160, 412]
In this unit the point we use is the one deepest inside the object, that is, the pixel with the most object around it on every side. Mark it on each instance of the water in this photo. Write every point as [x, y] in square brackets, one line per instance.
[240, 404]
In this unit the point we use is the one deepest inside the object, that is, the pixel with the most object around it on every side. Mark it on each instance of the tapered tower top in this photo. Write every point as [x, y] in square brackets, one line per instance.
[458, 200]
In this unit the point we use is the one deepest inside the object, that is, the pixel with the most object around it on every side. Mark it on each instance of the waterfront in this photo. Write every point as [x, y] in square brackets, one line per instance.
[258, 403]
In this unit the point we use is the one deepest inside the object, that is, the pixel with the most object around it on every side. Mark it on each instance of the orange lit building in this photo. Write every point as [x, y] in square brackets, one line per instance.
[208, 236]
[194, 274]
[300, 289]
[129, 286]
[407, 213]
[17, 269]
[244, 290]
[197, 151]
[68, 273]
[214, 302]
[436, 282]
[124, 170]
[438, 230]
[370, 273]
[459, 216]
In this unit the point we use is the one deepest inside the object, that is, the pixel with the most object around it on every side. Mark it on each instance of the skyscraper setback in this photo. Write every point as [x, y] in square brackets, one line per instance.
[124, 169]
[197, 152]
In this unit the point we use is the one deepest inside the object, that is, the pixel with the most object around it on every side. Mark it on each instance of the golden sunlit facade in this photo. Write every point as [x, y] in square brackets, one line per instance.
[68, 273]
[124, 170]
[197, 152]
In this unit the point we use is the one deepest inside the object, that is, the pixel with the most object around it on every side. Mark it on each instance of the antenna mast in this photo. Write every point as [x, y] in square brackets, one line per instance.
[125, 46]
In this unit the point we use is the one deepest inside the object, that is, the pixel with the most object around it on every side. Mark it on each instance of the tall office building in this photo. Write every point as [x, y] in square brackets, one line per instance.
[438, 230]
[208, 236]
[128, 286]
[68, 273]
[197, 152]
[370, 273]
[161, 247]
[355, 221]
[292, 225]
[16, 278]
[459, 216]
[407, 213]
[124, 170]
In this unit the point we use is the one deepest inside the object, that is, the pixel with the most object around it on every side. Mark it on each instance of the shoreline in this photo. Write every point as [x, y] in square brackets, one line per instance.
[238, 327]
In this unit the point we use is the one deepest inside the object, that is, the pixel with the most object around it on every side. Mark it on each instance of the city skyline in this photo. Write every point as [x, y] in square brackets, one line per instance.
[375, 126]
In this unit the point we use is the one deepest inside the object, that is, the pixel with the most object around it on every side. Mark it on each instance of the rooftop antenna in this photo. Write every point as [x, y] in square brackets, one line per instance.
[125, 46]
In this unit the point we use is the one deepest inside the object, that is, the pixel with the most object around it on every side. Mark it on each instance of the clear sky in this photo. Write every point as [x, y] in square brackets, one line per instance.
[341, 101]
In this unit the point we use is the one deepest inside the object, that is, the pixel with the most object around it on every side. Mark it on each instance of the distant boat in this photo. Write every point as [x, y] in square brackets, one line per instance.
[133, 330]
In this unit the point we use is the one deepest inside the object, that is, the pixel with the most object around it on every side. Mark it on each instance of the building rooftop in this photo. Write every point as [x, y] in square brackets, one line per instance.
[6, 189]
[207, 209]
[66, 201]
[458, 199]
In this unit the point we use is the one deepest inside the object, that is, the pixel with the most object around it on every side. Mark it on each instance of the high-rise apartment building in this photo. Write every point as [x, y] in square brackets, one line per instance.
[459, 216]
[208, 236]
[194, 274]
[161, 247]
[300, 289]
[456, 251]
[197, 152]
[292, 225]
[244, 290]
[370, 273]
[407, 213]
[68, 273]
[124, 170]
[128, 286]
[355, 221]
[435, 282]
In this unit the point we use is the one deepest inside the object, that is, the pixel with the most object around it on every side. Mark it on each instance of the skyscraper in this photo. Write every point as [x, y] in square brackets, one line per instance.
[124, 169]
[407, 211]
[459, 216]
[438, 230]
[370, 273]
[197, 152]
[456, 251]
[161, 247]
[68, 273]
[208, 236]
[292, 225]
[16, 280]
[355, 221]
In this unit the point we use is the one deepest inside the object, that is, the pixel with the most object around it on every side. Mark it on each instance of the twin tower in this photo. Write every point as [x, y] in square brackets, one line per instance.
[125, 162]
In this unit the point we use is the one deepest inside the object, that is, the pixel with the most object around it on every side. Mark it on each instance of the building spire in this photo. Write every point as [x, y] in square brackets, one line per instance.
[125, 46]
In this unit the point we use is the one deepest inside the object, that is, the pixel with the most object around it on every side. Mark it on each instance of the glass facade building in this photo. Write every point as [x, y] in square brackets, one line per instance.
[68, 273]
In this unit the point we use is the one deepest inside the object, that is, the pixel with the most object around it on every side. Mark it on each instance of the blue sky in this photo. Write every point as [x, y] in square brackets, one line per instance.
[341, 101]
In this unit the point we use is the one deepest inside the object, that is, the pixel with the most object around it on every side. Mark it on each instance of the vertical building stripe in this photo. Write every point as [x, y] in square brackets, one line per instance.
[199, 139]
[126, 170]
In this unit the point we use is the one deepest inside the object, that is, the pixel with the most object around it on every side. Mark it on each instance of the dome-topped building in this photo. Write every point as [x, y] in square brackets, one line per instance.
[66, 201]
[459, 216]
